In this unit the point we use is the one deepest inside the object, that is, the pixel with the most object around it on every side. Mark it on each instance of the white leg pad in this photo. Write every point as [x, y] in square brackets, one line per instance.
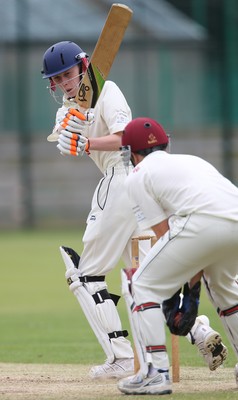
[87, 304]
[108, 317]
[140, 348]
[103, 317]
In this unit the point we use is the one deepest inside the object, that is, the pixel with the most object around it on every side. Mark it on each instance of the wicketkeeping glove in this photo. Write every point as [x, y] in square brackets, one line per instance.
[181, 311]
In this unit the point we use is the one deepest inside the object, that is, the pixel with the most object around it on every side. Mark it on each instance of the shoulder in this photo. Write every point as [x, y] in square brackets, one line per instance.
[110, 86]
[114, 104]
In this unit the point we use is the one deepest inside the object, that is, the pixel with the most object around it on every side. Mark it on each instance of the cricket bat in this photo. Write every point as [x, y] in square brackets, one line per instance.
[103, 55]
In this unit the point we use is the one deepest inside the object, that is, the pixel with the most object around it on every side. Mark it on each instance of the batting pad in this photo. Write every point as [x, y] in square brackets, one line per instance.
[87, 304]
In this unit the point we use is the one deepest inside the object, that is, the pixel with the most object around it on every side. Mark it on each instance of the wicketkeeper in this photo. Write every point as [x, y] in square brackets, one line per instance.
[193, 211]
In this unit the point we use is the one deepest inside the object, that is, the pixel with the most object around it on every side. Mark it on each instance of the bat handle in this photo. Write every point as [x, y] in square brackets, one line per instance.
[135, 252]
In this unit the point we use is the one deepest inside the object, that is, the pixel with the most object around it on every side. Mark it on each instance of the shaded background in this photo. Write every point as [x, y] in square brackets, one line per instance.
[178, 63]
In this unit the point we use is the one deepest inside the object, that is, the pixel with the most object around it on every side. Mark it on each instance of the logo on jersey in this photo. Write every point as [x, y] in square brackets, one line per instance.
[136, 169]
[138, 214]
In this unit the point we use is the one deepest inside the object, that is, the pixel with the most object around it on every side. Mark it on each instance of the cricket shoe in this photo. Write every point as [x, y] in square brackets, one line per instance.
[159, 383]
[120, 368]
[208, 342]
[236, 373]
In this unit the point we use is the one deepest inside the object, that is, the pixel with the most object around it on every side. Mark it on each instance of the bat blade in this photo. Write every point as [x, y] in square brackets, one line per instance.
[103, 55]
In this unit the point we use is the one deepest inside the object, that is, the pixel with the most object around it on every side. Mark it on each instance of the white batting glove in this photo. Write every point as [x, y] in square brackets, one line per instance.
[76, 122]
[73, 144]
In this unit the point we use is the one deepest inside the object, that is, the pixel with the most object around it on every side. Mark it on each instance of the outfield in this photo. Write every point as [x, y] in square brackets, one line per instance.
[42, 324]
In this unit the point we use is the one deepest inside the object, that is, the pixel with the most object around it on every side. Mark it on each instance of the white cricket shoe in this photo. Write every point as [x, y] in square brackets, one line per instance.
[118, 369]
[209, 343]
[159, 384]
[236, 373]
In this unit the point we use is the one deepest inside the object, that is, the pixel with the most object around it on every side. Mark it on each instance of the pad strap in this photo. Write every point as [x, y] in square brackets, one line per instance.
[116, 334]
[146, 306]
[228, 311]
[86, 279]
[156, 349]
[102, 295]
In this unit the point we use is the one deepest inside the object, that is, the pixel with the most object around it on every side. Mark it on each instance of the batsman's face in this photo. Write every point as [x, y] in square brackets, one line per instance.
[68, 81]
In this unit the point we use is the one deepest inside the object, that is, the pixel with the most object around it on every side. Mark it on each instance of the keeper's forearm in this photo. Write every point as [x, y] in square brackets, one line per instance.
[161, 228]
[196, 278]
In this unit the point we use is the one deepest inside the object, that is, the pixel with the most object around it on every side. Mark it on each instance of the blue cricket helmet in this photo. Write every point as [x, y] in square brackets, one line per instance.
[62, 56]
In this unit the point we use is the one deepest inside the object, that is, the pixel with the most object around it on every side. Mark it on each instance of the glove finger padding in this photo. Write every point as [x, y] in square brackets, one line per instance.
[75, 121]
[181, 313]
[65, 139]
[73, 125]
[72, 143]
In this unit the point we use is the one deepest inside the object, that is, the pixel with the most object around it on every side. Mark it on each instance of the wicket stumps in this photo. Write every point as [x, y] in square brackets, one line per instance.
[174, 338]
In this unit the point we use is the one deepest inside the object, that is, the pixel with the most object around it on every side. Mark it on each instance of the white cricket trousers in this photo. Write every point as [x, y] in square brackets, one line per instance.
[193, 243]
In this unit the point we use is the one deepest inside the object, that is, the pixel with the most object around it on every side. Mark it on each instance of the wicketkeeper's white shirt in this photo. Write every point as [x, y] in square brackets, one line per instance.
[166, 184]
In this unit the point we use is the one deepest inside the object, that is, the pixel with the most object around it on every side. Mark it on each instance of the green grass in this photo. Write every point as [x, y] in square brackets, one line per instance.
[41, 321]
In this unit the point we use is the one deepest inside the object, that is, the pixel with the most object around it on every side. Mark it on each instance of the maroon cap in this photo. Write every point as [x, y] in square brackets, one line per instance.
[143, 133]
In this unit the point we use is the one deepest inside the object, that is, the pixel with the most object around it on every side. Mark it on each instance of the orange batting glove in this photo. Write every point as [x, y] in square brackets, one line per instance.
[73, 144]
[76, 122]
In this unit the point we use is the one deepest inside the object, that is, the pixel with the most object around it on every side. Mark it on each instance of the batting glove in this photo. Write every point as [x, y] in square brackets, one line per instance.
[73, 144]
[77, 122]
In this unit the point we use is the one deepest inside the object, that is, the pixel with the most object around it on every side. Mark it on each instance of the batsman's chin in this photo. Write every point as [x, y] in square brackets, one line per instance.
[53, 137]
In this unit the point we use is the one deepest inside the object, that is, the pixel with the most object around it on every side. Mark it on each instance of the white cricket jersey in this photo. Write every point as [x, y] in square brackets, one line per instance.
[166, 184]
[112, 114]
